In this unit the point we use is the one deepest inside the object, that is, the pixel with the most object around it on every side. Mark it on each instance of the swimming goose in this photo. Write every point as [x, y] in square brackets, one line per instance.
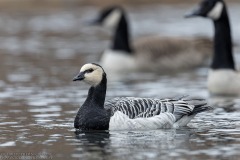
[151, 54]
[223, 79]
[129, 113]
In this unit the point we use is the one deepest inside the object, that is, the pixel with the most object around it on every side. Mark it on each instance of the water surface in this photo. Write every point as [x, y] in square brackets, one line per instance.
[42, 51]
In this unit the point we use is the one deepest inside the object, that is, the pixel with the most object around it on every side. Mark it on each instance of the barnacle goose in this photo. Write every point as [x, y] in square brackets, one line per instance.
[129, 113]
[155, 54]
[223, 79]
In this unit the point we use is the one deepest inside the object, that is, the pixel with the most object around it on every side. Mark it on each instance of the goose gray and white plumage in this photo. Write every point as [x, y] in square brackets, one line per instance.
[129, 113]
[223, 78]
[157, 54]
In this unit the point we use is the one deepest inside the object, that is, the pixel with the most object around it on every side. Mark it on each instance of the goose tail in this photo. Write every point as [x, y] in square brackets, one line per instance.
[200, 105]
[201, 108]
[195, 106]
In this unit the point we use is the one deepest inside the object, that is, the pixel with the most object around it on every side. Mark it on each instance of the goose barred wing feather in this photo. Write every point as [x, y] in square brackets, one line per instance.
[135, 107]
[146, 107]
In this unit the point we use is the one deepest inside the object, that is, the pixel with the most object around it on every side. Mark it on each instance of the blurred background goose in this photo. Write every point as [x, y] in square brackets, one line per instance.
[149, 54]
[223, 78]
[129, 113]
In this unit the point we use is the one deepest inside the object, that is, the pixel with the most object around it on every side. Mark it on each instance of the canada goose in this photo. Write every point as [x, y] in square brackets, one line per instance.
[129, 113]
[149, 54]
[223, 79]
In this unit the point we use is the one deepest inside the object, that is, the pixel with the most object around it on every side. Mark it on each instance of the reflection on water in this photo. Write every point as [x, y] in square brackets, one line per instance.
[40, 54]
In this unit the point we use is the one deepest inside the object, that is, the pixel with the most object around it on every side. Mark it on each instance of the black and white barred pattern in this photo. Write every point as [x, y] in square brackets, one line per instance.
[147, 107]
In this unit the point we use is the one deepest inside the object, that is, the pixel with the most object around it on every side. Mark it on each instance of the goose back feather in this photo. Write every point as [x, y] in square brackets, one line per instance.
[134, 113]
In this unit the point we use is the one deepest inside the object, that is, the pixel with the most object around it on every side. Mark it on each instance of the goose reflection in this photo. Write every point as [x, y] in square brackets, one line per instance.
[98, 138]
[91, 144]
[130, 143]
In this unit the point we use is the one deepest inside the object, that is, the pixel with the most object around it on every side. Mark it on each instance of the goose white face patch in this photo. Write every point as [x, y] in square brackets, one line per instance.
[216, 11]
[112, 19]
[95, 77]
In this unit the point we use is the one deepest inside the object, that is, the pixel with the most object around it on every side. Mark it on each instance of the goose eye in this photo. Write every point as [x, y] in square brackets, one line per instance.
[89, 70]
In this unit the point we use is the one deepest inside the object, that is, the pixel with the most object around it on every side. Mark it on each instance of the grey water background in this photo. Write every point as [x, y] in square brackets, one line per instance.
[40, 53]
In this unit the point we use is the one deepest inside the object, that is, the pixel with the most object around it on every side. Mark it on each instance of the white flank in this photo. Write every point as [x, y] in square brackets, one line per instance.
[112, 19]
[216, 11]
[183, 121]
[224, 82]
[120, 121]
[117, 62]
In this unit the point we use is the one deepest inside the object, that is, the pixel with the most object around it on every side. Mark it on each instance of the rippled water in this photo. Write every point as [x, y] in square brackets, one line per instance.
[42, 51]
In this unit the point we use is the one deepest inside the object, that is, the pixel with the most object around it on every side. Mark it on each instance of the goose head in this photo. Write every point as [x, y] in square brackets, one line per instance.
[212, 9]
[109, 17]
[90, 73]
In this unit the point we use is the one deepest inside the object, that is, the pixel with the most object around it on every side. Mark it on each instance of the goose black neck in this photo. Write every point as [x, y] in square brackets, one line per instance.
[97, 94]
[223, 57]
[121, 37]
